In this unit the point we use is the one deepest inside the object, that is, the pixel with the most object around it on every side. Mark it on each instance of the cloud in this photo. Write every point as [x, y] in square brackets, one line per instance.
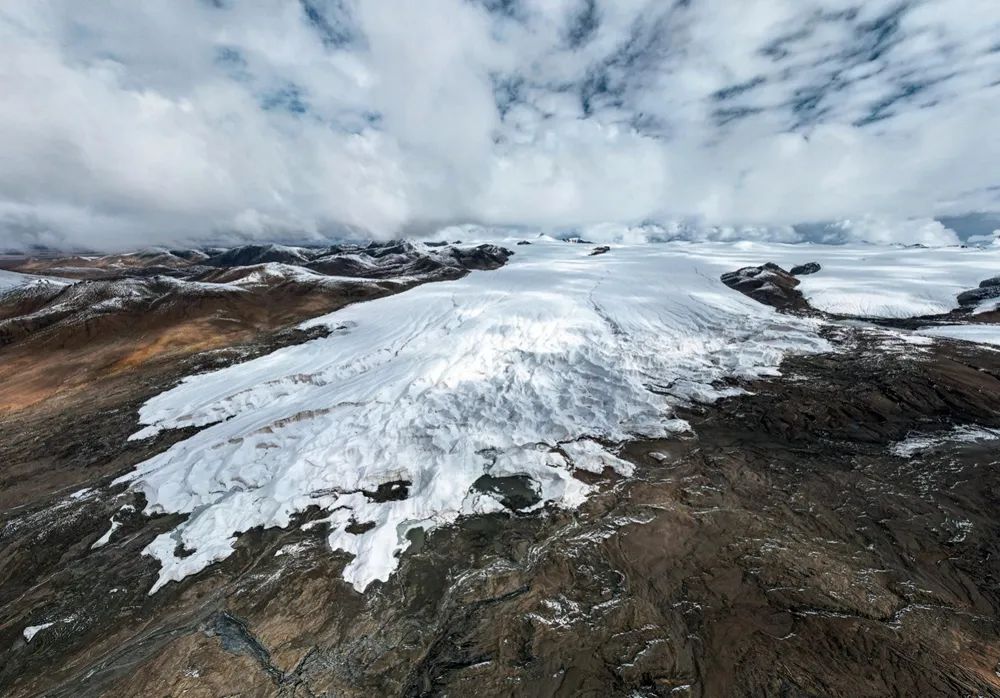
[880, 230]
[125, 124]
[876, 230]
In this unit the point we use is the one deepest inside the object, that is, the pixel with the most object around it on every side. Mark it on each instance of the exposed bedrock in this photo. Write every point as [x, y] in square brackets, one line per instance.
[768, 284]
[805, 269]
[975, 296]
[781, 549]
[59, 337]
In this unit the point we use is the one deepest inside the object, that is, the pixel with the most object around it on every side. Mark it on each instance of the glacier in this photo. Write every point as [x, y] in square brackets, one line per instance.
[538, 369]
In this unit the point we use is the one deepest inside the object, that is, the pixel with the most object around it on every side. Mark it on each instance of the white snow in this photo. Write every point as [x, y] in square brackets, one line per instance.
[32, 630]
[914, 443]
[980, 334]
[526, 370]
[448, 381]
[872, 281]
[990, 305]
[9, 279]
[270, 271]
[591, 456]
[501, 372]
[13, 279]
[868, 280]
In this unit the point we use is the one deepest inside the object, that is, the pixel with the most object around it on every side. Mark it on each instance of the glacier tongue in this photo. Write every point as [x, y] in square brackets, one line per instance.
[440, 385]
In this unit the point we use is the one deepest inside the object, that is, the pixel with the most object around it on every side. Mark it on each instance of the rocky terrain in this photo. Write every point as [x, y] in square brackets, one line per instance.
[130, 311]
[832, 531]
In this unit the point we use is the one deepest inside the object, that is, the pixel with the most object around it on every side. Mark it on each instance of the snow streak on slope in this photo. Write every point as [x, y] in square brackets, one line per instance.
[521, 371]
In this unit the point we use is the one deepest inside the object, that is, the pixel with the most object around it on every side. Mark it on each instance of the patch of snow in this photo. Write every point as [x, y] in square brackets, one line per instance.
[32, 630]
[489, 374]
[115, 525]
[591, 456]
[915, 443]
[291, 549]
[914, 339]
[106, 538]
[990, 305]
[265, 273]
[980, 334]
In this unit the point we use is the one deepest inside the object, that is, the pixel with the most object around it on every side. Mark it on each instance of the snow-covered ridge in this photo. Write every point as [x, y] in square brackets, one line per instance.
[450, 381]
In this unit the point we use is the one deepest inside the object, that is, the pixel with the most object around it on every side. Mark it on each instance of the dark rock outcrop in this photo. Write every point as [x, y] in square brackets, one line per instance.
[482, 257]
[603, 249]
[768, 284]
[804, 269]
[988, 289]
[975, 296]
[515, 492]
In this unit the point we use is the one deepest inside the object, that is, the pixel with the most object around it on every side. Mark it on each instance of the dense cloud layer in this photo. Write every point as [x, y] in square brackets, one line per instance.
[128, 123]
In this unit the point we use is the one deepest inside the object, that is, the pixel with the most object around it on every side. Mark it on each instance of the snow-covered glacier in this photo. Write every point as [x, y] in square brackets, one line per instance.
[536, 369]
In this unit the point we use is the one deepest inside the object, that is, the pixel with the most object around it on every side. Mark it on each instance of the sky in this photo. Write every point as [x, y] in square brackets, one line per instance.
[128, 123]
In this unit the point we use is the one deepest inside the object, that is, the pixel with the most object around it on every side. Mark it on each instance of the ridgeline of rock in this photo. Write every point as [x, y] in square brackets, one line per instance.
[125, 313]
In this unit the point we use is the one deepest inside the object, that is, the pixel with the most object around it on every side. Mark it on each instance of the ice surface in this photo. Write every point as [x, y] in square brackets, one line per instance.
[896, 282]
[871, 280]
[981, 334]
[526, 370]
[13, 279]
[9, 279]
